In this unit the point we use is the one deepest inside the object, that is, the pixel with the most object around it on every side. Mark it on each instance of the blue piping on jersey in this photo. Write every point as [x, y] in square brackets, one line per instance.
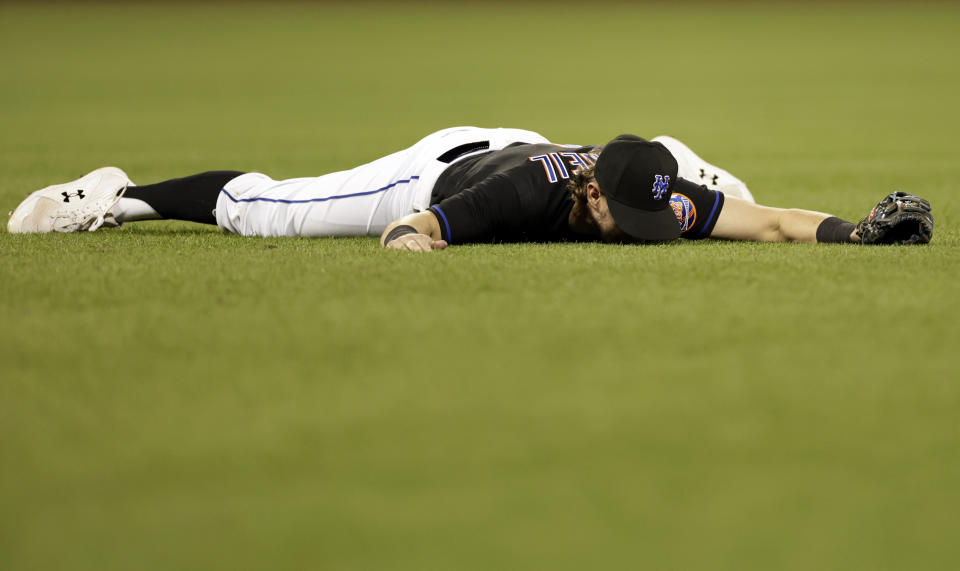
[322, 199]
[445, 222]
[716, 201]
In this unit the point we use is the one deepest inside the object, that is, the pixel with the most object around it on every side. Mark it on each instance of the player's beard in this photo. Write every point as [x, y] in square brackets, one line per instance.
[581, 220]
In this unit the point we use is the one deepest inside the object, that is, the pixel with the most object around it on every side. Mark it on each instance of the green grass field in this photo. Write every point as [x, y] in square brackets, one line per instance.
[172, 397]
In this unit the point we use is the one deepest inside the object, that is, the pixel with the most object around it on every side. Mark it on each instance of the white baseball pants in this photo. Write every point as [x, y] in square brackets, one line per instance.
[360, 201]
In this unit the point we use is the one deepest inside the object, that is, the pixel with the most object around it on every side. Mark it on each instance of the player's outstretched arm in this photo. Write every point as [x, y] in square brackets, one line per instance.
[742, 220]
[900, 218]
[419, 232]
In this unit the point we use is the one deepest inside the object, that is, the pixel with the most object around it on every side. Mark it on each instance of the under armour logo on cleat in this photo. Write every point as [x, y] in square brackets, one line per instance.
[715, 177]
[68, 195]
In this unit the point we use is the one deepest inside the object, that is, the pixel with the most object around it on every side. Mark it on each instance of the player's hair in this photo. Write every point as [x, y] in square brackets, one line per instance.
[577, 186]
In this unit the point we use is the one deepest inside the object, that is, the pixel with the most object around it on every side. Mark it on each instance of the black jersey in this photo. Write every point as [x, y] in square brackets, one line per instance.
[519, 194]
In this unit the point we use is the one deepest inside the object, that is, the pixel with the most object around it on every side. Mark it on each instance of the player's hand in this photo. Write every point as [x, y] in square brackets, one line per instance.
[416, 243]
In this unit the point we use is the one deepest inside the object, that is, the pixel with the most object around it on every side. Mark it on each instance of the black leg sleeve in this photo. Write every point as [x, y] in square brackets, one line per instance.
[191, 198]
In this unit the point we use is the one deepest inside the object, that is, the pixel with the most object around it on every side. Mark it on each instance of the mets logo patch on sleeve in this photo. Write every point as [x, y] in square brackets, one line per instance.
[684, 210]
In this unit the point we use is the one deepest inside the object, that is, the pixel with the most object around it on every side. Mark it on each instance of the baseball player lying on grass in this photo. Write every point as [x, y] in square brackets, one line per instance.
[468, 184]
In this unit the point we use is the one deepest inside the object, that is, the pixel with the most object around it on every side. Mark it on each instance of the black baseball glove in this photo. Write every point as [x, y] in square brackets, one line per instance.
[900, 218]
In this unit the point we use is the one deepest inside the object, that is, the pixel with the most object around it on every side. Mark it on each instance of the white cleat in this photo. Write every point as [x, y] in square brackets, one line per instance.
[83, 204]
[695, 169]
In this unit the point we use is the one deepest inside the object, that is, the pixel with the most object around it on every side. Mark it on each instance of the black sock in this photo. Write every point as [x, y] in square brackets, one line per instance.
[191, 198]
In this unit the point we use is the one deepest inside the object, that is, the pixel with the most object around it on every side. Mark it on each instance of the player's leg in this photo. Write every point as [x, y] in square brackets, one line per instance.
[347, 203]
[107, 197]
[335, 204]
[191, 198]
[693, 168]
